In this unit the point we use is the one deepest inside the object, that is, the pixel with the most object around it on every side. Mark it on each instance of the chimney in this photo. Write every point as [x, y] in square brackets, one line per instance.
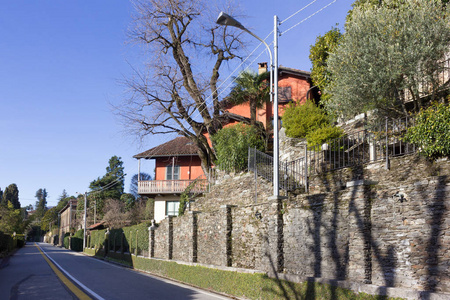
[262, 67]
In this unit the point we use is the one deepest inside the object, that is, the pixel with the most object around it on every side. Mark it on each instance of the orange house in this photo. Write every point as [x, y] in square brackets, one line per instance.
[177, 163]
[293, 86]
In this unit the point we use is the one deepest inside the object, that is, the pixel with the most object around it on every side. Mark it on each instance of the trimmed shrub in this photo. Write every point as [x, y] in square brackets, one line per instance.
[66, 240]
[301, 119]
[324, 134]
[310, 122]
[231, 146]
[6, 242]
[133, 236]
[20, 240]
[431, 131]
[76, 242]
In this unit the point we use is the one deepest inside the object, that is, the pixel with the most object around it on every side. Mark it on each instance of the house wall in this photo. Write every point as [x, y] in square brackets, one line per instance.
[299, 89]
[160, 210]
[190, 167]
[160, 206]
[65, 222]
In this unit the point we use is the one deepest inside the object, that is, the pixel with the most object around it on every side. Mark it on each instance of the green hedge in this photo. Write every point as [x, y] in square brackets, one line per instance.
[76, 242]
[8, 242]
[130, 234]
[66, 240]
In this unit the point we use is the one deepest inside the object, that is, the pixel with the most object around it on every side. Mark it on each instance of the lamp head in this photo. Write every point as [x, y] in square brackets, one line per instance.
[227, 20]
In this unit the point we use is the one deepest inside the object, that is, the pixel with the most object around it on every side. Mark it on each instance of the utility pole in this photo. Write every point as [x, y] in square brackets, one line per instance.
[95, 210]
[84, 234]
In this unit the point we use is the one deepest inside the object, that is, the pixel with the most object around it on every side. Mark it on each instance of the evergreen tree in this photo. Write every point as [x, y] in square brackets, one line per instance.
[111, 185]
[11, 195]
[41, 203]
[318, 54]
[63, 199]
[134, 183]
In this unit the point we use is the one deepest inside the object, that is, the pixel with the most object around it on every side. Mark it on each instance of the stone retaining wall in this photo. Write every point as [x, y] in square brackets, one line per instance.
[367, 225]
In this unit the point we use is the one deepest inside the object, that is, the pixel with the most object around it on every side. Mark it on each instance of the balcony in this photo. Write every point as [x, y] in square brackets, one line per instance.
[171, 186]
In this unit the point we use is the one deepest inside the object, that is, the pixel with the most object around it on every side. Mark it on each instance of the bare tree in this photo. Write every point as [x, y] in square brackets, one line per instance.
[115, 214]
[177, 92]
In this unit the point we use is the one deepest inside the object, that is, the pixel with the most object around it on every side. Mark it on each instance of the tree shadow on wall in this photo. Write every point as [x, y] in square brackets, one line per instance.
[436, 210]
[339, 250]
[326, 234]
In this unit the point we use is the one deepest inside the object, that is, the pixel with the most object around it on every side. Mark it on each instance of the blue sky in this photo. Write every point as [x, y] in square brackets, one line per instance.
[60, 67]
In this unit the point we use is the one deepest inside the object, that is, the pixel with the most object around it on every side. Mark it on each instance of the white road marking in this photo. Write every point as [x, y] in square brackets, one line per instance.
[72, 278]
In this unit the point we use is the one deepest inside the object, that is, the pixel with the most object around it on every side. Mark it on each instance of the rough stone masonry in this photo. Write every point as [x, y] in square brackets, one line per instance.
[387, 230]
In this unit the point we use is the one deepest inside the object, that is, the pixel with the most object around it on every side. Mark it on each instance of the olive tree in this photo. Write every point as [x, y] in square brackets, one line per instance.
[389, 57]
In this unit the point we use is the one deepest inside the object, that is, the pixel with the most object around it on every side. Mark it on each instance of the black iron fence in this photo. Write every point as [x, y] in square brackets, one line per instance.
[373, 143]
[292, 174]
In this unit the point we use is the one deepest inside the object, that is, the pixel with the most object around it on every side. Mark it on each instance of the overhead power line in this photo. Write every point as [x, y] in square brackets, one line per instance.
[297, 12]
[310, 16]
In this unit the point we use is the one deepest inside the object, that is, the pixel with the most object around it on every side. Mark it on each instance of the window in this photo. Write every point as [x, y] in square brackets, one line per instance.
[175, 171]
[284, 94]
[172, 208]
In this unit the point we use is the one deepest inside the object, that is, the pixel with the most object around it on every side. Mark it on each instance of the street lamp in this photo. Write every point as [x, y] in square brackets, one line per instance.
[227, 20]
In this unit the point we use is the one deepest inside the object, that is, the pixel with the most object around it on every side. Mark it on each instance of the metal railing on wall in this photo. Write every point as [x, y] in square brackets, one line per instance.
[373, 143]
[292, 174]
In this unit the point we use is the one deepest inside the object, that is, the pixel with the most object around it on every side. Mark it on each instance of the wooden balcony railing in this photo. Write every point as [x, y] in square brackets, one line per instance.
[171, 186]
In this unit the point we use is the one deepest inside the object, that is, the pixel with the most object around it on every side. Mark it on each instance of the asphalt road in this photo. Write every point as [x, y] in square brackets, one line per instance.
[48, 272]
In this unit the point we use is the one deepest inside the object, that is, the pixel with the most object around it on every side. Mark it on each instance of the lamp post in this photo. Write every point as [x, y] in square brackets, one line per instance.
[84, 232]
[84, 219]
[227, 20]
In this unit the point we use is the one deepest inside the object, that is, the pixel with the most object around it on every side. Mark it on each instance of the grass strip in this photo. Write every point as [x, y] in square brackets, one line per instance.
[245, 285]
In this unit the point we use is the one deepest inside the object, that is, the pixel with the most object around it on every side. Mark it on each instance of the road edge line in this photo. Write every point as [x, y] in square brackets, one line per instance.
[60, 269]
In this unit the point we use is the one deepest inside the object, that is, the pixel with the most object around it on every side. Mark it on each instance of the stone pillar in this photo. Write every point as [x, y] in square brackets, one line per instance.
[227, 224]
[151, 239]
[194, 240]
[170, 239]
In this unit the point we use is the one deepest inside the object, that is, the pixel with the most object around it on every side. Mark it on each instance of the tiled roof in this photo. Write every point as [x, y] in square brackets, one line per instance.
[72, 202]
[96, 226]
[282, 69]
[179, 146]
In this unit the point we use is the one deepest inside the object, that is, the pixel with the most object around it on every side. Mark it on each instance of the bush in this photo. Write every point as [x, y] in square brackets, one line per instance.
[129, 233]
[310, 122]
[431, 131]
[76, 242]
[66, 240]
[6, 242]
[324, 134]
[231, 146]
[301, 119]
